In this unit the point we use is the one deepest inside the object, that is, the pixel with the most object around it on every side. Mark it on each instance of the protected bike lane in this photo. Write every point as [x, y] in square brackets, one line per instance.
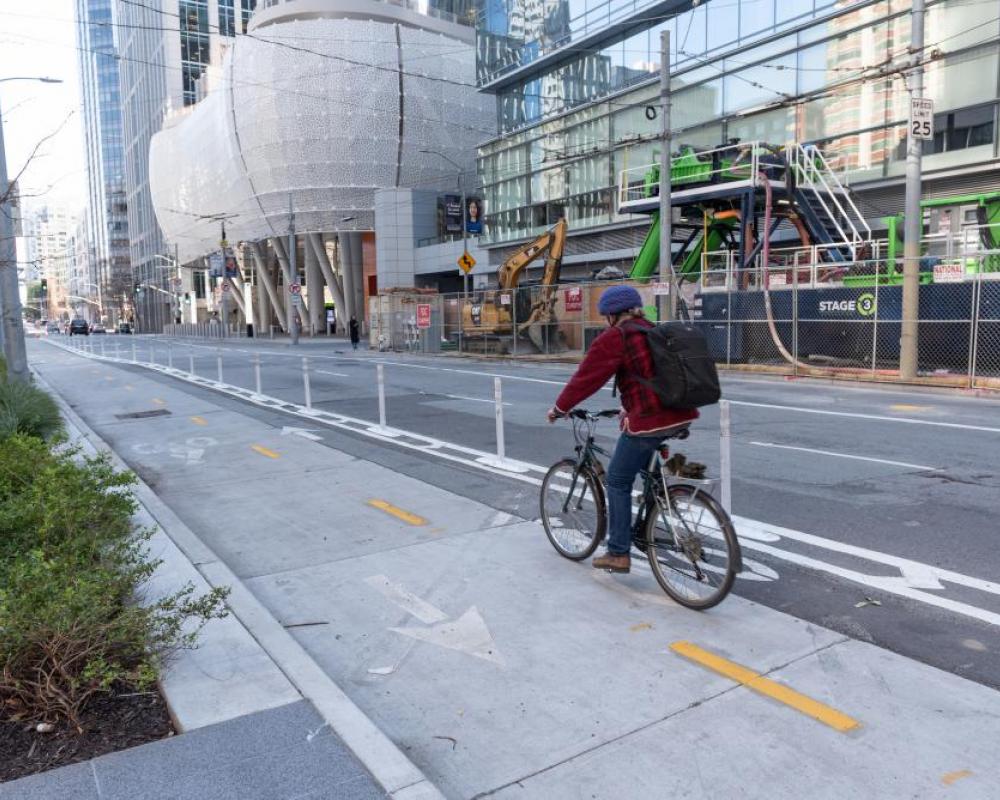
[503, 670]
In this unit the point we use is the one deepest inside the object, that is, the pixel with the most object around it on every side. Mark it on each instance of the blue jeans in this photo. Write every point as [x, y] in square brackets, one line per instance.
[631, 456]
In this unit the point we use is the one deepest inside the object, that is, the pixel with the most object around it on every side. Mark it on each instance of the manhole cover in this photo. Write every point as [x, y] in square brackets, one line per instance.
[156, 412]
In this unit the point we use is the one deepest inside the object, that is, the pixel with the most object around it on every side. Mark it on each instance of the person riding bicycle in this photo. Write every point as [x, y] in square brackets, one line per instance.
[622, 351]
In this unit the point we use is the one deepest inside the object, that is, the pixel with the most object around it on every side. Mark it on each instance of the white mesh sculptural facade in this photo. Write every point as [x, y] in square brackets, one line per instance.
[322, 102]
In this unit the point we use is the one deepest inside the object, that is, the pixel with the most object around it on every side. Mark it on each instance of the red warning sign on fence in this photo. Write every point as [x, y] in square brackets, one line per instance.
[574, 299]
[423, 315]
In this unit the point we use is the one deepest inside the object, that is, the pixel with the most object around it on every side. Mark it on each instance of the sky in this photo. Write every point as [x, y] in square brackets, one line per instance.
[37, 38]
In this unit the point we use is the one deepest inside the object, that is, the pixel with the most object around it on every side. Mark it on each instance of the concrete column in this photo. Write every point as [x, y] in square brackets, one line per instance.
[346, 253]
[264, 273]
[315, 240]
[236, 291]
[357, 268]
[278, 243]
[262, 305]
[314, 285]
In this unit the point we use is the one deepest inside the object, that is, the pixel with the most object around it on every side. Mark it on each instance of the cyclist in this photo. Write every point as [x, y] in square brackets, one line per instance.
[622, 351]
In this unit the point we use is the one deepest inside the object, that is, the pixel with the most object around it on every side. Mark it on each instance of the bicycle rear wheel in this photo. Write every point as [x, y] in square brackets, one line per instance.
[573, 509]
[692, 547]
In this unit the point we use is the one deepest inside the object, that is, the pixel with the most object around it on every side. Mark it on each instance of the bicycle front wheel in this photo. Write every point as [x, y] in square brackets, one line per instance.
[692, 547]
[573, 509]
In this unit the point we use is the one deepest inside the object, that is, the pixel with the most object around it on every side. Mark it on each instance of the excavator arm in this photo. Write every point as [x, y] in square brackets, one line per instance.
[553, 241]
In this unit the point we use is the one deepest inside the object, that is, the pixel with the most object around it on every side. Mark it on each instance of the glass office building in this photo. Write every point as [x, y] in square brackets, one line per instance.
[106, 259]
[576, 83]
[166, 47]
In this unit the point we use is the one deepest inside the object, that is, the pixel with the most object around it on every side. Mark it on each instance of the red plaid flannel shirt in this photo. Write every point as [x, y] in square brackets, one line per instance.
[622, 351]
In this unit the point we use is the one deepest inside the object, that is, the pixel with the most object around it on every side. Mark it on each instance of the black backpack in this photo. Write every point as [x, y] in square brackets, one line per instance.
[684, 374]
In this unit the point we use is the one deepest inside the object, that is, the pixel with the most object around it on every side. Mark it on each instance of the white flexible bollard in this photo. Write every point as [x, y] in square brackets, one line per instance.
[725, 455]
[305, 382]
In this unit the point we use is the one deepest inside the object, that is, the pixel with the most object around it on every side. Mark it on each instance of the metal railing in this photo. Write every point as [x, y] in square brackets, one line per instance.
[693, 167]
[812, 171]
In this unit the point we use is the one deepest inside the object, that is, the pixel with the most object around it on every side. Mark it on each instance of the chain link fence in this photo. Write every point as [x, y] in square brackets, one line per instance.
[819, 319]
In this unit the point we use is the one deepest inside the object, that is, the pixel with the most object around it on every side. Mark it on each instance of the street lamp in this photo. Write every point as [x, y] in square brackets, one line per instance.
[10, 299]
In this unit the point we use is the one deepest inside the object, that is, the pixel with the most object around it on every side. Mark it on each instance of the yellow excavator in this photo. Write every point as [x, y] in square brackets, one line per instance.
[493, 312]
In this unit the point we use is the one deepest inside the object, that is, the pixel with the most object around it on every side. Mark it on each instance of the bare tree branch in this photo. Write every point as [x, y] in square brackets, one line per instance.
[11, 184]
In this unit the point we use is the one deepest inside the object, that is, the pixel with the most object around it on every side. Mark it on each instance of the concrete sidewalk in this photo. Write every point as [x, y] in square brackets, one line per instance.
[503, 670]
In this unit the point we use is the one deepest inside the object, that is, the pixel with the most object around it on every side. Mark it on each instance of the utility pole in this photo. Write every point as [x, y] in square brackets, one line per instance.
[293, 269]
[13, 326]
[666, 215]
[225, 282]
[914, 225]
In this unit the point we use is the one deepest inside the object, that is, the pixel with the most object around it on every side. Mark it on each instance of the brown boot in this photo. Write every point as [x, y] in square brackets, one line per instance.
[613, 563]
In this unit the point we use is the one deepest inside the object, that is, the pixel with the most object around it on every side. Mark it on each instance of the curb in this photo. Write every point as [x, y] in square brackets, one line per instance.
[388, 765]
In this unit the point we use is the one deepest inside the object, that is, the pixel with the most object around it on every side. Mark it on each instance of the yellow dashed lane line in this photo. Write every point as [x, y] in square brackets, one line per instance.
[264, 451]
[765, 686]
[199, 420]
[398, 513]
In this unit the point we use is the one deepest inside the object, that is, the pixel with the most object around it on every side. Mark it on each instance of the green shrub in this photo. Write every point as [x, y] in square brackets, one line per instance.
[71, 572]
[27, 409]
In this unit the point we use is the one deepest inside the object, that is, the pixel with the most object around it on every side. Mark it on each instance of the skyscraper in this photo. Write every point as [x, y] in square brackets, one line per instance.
[165, 47]
[107, 260]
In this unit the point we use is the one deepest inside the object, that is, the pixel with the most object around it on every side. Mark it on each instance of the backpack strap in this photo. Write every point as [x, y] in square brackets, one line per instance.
[621, 329]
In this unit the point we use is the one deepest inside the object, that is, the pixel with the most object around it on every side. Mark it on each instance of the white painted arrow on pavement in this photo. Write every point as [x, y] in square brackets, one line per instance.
[305, 433]
[467, 634]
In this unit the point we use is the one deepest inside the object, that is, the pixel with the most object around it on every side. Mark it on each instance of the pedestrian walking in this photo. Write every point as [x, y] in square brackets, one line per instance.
[355, 332]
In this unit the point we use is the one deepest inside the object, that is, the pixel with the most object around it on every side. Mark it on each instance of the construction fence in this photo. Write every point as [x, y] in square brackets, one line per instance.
[819, 320]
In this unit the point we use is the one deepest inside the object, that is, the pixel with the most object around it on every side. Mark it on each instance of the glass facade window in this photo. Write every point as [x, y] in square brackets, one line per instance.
[227, 18]
[194, 44]
[768, 70]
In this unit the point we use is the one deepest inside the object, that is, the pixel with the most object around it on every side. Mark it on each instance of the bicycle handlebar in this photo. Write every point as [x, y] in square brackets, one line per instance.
[582, 413]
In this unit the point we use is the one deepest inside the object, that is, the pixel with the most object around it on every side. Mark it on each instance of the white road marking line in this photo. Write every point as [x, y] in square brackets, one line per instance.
[335, 374]
[474, 399]
[845, 455]
[753, 533]
[501, 518]
[877, 417]
[470, 372]
[410, 603]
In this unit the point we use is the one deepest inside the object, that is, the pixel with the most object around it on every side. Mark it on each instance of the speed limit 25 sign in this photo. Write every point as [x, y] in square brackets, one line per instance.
[921, 118]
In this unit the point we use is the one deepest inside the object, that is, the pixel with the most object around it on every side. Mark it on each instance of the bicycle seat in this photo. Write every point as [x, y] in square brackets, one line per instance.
[680, 432]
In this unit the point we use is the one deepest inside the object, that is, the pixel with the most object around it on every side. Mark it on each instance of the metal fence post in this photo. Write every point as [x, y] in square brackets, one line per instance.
[977, 289]
[170, 356]
[191, 360]
[513, 317]
[381, 394]
[256, 372]
[305, 382]
[134, 359]
[795, 323]
[498, 402]
[152, 354]
[218, 362]
[875, 323]
[102, 348]
[725, 455]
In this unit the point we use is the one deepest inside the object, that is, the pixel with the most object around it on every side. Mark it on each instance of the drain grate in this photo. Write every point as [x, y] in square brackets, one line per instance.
[156, 412]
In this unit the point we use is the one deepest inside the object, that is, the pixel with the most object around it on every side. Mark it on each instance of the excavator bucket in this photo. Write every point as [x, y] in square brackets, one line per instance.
[542, 328]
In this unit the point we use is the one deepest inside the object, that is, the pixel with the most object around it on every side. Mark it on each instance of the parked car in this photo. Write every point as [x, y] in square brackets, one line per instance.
[124, 327]
[53, 327]
[97, 327]
[79, 327]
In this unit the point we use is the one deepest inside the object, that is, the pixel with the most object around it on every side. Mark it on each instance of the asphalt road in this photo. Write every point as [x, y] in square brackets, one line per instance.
[861, 476]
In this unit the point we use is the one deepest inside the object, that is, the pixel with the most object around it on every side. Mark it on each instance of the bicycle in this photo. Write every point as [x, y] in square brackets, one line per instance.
[681, 529]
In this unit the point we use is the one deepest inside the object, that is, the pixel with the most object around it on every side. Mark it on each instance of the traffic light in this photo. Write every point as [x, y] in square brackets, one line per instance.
[45, 286]
[138, 287]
